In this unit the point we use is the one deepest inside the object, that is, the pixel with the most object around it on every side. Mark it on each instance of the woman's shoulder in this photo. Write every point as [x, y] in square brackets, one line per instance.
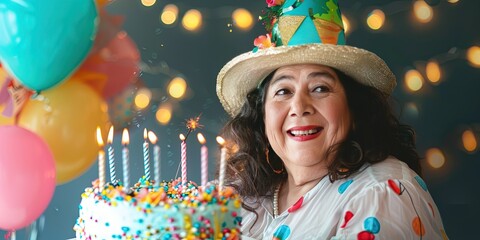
[390, 168]
[391, 199]
[381, 176]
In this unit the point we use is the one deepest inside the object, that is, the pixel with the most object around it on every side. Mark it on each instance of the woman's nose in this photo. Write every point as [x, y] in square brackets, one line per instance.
[301, 105]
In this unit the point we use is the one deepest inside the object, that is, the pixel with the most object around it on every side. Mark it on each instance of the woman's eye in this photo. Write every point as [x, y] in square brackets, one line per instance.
[321, 89]
[282, 92]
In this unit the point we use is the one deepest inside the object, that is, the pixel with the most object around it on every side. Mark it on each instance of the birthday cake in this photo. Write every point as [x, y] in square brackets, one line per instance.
[169, 210]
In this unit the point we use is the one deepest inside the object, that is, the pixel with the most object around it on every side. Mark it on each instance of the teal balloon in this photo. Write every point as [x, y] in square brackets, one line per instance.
[43, 41]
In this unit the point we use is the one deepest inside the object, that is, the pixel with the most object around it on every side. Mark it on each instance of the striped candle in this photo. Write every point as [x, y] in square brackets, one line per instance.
[101, 160]
[125, 159]
[111, 159]
[156, 164]
[203, 159]
[146, 156]
[204, 164]
[156, 157]
[184, 160]
[101, 169]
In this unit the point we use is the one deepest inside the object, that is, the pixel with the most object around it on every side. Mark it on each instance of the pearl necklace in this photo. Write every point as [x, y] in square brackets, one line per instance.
[275, 201]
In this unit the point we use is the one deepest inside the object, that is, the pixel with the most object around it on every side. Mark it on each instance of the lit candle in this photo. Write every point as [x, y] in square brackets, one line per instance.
[184, 160]
[126, 170]
[223, 165]
[111, 159]
[146, 156]
[203, 159]
[156, 157]
[101, 160]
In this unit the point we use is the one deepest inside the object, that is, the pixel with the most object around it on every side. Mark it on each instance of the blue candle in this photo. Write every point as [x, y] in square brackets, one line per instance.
[146, 156]
[111, 159]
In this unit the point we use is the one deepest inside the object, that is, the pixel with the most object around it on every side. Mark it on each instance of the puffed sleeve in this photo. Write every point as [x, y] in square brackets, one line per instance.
[394, 209]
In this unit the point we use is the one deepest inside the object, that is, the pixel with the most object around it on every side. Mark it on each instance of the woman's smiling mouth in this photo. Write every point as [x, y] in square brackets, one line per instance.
[304, 133]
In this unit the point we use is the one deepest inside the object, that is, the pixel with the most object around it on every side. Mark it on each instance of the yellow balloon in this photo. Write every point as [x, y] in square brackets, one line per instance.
[94, 80]
[66, 119]
[4, 120]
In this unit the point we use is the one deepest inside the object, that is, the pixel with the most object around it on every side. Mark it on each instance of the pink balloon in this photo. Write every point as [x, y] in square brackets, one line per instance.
[118, 60]
[27, 177]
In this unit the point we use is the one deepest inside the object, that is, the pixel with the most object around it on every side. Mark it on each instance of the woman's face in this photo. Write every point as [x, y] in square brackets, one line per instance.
[306, 112]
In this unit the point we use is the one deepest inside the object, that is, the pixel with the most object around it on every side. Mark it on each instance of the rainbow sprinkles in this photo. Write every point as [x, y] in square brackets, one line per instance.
[167, 212]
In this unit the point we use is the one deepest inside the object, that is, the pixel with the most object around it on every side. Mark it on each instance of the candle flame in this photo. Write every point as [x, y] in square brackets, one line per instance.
[182, 137]
[145, 134]
[110, 135]
[152, 137]
[99, 137]
[220, 140]
[201, 138]
[125, 137]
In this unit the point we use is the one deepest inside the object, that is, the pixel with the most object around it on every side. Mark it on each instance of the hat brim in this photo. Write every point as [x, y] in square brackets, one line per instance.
[243, 73]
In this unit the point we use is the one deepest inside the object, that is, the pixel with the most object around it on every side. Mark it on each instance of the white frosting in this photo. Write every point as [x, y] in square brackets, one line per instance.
[118, 218]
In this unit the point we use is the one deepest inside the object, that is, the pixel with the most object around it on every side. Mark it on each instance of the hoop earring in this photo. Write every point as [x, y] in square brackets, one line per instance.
[359, 149]
[268, 161]
[357, 146]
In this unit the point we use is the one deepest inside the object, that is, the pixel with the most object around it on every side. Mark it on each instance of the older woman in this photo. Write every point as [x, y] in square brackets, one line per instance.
[316, 151]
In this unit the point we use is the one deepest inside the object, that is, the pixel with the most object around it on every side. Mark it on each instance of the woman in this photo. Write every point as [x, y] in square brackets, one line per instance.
[316, 152]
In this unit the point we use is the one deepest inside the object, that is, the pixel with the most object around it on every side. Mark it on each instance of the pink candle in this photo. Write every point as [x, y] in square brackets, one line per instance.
[223, 165]
[101, 160]
[184, 160]
[204, 159]
[125, 159]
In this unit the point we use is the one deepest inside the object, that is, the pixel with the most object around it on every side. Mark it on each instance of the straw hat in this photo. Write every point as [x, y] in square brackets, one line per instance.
[300, 32]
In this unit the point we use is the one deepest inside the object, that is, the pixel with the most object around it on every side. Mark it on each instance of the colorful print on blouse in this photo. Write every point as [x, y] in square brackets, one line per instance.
[282, 233]
[381, 201]
[344, 186]
[296, 206]
[397, 186]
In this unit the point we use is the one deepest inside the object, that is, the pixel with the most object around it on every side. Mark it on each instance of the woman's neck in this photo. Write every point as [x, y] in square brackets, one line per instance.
[295, 187]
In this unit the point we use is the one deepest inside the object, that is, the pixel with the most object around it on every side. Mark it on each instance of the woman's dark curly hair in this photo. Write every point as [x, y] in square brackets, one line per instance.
[375, 135]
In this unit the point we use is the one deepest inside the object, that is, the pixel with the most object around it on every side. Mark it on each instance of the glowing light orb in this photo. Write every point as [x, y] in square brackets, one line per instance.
[192, 20]
[413, 80]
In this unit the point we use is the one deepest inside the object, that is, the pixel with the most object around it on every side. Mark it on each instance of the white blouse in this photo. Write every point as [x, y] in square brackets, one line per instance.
[386, 200]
